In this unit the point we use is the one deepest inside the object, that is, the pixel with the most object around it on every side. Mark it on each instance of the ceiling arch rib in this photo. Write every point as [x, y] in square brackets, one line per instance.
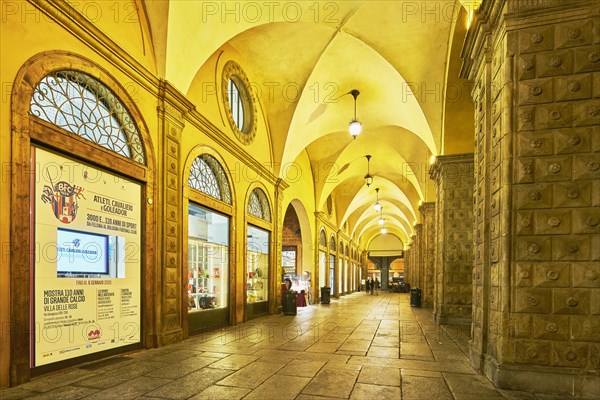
[390, 165]
[384, 243]
[371, 233]
[402, 127]
[379, 103]
[216, 23]
[393, 217]
[367, 197]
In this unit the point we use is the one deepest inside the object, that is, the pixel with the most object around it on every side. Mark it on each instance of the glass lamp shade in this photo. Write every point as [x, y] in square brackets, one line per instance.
[368, 179]
[381, 221]
[383, 231]
[355, 128]
[377, 206]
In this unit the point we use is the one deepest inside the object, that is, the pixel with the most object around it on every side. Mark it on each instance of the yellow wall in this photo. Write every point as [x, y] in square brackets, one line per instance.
[26, 32]
[127, 53]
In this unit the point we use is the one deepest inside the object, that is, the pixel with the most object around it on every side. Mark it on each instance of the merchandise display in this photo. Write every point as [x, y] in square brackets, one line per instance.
[257, 277]
[207, 287]
[257, 266]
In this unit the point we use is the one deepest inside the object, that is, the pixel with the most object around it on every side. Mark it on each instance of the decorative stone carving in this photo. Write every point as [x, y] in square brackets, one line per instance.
[537, 38]
[553, 222]
[574, 33]
[547, 245]
[454, 179]
[554, 168]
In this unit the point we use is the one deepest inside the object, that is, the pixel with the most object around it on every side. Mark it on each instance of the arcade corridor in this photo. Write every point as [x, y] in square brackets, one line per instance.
[169, 165]
[358, 347]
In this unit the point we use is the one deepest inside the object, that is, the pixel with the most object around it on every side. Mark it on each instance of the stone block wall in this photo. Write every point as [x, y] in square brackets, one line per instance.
[536, 69]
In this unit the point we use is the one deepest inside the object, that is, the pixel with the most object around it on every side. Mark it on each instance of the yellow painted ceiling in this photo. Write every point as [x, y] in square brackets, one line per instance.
[396, 53]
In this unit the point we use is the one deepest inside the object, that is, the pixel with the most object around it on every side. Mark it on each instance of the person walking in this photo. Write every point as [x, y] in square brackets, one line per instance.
[376, 284]
[368, 285]
[372, 286]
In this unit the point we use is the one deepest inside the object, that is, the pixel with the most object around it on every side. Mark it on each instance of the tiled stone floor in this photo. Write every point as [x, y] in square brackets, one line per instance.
[358, 347]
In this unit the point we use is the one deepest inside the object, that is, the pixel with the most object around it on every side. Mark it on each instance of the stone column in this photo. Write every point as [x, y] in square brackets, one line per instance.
[407, 264]
[536, 73]
[413, 264]
[428, 250]
[453, 176]
[418, 256]
[385, 272]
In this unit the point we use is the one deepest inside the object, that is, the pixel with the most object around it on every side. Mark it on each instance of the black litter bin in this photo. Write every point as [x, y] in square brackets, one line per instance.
[325, 295]
[289, 303]
[415, 297]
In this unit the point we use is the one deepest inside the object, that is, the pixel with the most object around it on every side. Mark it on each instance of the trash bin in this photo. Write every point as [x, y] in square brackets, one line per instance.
[415, 297]
[325, 294]
[288, 303]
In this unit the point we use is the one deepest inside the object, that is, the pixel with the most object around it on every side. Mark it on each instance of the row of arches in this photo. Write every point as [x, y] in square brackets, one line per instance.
[338, 265]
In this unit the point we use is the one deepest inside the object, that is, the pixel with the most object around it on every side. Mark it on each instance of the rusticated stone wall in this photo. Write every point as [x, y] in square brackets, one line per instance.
[453, 176]
[536, 69]
[418, 255]
[407, 264]
[409, 256]
[428, 252]
[414, 252]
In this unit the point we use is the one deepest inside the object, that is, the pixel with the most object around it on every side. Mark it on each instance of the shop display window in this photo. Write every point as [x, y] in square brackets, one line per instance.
[208, 260]
[257, 270]
[332, 273]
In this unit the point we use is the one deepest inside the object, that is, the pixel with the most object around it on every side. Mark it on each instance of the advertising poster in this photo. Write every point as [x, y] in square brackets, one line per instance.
[87, 263]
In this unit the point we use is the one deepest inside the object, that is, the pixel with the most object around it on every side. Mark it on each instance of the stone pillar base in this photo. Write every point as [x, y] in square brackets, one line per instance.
[452, 320]
[540, 379]
[170, 338]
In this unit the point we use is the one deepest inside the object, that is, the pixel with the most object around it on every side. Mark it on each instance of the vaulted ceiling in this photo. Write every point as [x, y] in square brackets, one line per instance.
[401, 55]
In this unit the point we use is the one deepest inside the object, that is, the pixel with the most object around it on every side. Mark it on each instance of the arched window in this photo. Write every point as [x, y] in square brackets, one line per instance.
[322, 238]
[347, 251]
[258, 205]
[82, 105]
[341, 247]
[332, 243]
[208, 176]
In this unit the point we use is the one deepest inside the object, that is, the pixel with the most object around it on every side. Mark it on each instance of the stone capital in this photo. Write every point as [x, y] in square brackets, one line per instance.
[452, 167]
[427, 208]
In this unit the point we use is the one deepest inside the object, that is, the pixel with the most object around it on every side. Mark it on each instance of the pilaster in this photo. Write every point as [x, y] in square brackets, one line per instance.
[170, 220]
[277, 237]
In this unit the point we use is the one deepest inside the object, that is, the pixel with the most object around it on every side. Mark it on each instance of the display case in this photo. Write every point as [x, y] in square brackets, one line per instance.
[207, 280]
[257, 277]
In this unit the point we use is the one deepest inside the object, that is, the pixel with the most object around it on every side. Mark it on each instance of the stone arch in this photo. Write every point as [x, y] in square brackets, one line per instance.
[28, 130]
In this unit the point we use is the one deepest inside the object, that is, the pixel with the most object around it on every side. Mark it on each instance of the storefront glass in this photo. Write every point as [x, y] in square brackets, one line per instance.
[332, 273]
[257, 273]
[322, 270]
[208, 259]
